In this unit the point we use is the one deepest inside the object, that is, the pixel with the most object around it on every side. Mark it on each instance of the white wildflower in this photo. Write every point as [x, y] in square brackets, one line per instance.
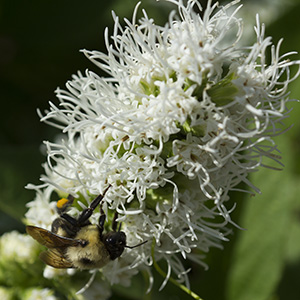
[50, 272]
[99, 290]
[5, 294]
[41, 212]
[39, 294]
[184, 116]
[17, 247]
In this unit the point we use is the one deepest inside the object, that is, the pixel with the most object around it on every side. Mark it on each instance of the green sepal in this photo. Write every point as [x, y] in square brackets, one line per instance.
[224, 91]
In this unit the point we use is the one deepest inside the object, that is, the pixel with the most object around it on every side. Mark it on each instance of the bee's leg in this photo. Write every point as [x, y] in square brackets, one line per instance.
[102, 217]
[85, 215]
[63, 204]
[114, 223]
[65, 225]
[101, 220]
[57, 223]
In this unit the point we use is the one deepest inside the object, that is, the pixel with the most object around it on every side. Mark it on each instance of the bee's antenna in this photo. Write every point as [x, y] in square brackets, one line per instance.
[140, 244]
[120, 227]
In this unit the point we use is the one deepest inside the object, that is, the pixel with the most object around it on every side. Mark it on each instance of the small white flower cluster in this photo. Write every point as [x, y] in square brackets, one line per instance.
[41, 211]
[5, 294]
[183, 117]
[19, 275]
[17, 247]
[39, 294]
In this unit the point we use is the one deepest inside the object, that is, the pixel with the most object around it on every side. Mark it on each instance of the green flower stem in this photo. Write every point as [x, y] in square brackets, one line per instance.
[163, 274]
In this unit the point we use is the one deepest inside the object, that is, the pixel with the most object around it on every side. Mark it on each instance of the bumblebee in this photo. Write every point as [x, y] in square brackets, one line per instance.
[76, 243]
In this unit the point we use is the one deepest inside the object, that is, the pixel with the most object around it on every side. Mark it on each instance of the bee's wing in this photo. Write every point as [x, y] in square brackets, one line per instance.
[50, 239]
[55, 259]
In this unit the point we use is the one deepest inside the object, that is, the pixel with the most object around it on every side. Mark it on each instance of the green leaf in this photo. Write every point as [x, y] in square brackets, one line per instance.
[271, 242]
[260, 252]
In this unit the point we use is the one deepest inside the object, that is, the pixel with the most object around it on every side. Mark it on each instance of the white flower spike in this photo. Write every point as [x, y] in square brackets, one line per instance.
[183, 117]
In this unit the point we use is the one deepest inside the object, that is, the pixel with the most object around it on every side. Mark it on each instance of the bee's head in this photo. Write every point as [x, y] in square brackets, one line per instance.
[115, 242]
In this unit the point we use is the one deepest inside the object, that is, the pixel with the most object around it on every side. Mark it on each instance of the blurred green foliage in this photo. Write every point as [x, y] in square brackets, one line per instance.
[39, 50]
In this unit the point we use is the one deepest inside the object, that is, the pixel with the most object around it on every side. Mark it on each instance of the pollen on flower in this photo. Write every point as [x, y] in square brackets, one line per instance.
[183, 116]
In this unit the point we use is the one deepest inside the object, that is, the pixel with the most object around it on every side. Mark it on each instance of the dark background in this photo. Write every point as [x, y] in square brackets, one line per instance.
[39, 51]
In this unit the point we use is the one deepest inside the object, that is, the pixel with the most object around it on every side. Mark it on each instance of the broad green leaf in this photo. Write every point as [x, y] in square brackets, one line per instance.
[272, 236]
[260, 251]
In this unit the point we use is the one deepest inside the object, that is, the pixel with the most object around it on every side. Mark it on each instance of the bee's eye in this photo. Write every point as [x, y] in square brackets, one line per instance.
[116, 239]
[115, 242]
